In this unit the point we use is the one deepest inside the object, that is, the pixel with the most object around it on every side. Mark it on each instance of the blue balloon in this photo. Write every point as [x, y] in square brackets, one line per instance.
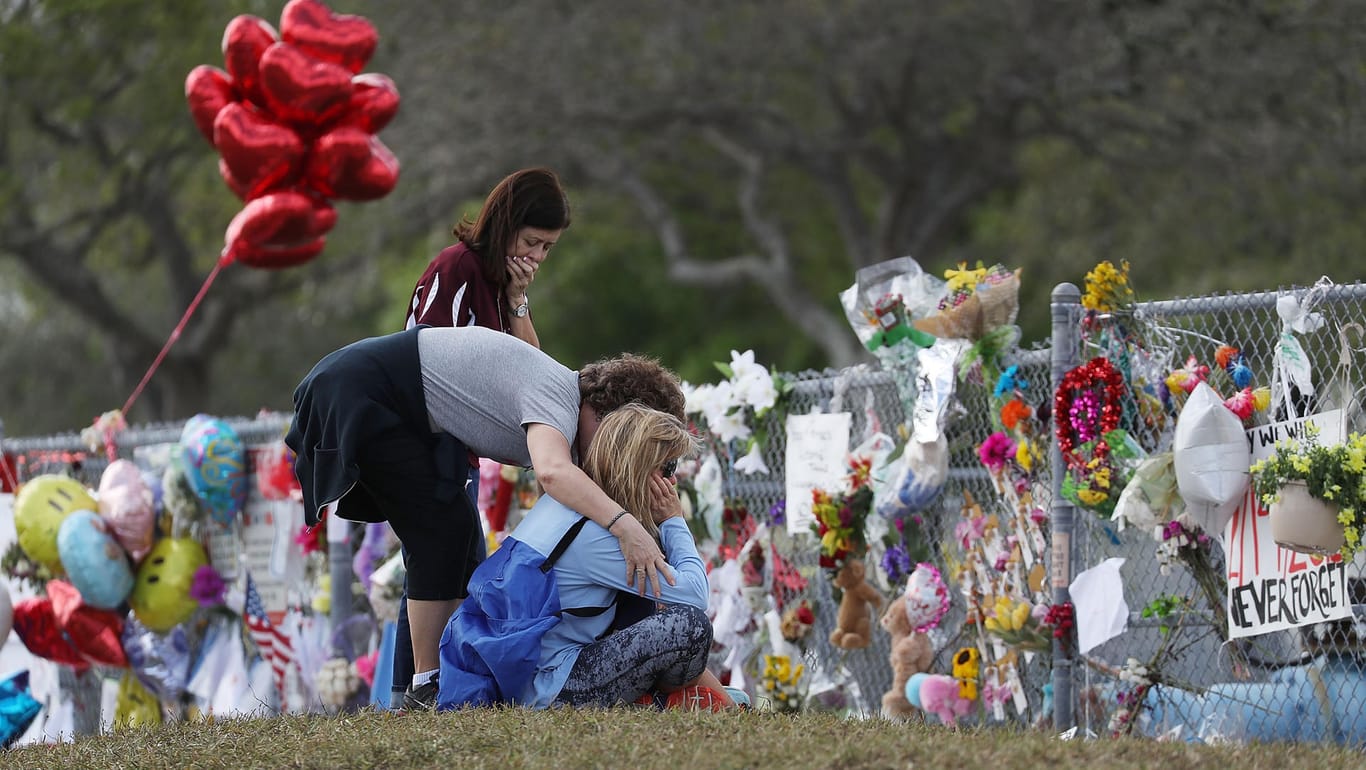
[18, 708]
[216, 465]
[94, 561]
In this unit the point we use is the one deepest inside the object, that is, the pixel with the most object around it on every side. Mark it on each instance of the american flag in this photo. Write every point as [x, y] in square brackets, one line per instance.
[269, 640]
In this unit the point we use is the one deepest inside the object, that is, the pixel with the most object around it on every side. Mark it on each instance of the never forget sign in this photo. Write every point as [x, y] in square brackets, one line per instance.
[1271, 588]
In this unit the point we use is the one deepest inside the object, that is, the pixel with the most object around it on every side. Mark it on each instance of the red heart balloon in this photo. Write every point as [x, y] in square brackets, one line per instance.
[302, 90]
[208, 90]
[261, 154]
[288, 222]
[338, 38]
[94, 632]
[351, 164]
[374, 102]
[244, 40]
[236, 185]
[277, 257]
[36, 625]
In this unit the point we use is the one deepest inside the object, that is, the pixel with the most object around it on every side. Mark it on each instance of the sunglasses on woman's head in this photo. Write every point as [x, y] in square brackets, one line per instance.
[669, 468]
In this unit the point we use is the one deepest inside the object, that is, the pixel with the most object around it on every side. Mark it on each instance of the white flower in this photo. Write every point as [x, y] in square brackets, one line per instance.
[729, 426]
[753, 462]
[742, 366]
[757, 391]
[717, 404]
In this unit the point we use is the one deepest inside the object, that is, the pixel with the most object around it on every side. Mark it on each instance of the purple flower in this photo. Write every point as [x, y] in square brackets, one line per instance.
[208, 586]
[896, 562]
[778, 513]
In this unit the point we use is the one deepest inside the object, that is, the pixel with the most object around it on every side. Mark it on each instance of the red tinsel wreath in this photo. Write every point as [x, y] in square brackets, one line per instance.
[1088, 404]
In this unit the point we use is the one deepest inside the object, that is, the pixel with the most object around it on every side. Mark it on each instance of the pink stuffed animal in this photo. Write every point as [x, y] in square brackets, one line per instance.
[938, 694]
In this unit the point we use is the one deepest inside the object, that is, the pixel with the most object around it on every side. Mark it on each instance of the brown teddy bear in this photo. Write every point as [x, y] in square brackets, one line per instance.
[854, 624]
[911, 654]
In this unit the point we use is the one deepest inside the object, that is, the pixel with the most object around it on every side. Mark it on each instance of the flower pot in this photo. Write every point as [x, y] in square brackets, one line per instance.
[1301, 522]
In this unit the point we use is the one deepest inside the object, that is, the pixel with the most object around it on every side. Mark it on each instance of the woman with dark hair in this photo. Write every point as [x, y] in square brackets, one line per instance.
[538, 642]
[482, 280]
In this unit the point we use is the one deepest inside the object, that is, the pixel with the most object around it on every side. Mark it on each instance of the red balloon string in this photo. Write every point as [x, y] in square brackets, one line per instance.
[175, 334]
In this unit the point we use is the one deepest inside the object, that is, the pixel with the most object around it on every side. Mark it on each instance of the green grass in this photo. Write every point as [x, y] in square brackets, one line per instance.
[634, 739]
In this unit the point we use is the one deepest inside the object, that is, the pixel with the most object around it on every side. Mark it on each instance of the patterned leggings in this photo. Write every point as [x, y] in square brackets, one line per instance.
[665, 650]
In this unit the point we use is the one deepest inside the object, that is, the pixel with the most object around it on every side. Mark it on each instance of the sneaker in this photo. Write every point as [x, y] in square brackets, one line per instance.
[422, 697]
[697, 698]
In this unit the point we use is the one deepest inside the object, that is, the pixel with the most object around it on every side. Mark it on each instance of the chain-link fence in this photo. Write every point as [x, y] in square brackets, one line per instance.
[1301, 684]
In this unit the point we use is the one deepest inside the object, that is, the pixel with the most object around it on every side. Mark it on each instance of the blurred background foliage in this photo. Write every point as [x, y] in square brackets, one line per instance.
[730, 165]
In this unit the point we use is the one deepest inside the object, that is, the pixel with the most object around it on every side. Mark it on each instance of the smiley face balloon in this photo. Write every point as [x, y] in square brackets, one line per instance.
[39, 509]
[161, 597]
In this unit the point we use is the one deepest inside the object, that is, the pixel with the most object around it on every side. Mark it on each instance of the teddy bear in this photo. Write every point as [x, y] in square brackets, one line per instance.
[911, 653]
[854, 623]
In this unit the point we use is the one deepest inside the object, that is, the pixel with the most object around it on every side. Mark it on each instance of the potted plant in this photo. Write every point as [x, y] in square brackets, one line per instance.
[1314, 493]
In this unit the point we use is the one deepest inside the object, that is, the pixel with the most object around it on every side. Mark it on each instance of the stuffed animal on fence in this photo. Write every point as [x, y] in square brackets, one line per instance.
[938, 694]
[854, 623]
[911, 653]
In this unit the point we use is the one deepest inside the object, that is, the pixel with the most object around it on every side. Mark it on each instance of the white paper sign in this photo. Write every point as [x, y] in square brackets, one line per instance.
[1271, 588]
[817, 448]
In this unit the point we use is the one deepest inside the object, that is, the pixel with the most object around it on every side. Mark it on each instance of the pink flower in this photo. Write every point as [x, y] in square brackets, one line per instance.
[996, 451]
[1242, 403]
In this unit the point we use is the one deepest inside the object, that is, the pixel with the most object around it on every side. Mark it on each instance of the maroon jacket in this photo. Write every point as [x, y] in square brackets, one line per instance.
[454, 292]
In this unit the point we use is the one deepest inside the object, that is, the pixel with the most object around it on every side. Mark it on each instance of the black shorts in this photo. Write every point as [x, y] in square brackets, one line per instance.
[418, 481]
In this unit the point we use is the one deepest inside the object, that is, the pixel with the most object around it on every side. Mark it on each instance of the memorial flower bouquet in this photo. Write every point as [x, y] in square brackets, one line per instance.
[739, 408]
[841, 517]
[1333, 474]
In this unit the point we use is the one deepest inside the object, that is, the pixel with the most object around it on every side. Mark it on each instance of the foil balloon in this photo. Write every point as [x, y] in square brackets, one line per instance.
[244, 40]
[351, 164]
[160, 661]
[94, 632]
[39, 509]
[302, 90]
[135, 706]
[37, 627]
[128, 506]
[215, 463]
[95, 562]
[285, 221]
[278, 257]
[259, 154]
[208, 90]
[926, 597]
[161, 596]
[18, 708]
[342, 39]
[374, 102]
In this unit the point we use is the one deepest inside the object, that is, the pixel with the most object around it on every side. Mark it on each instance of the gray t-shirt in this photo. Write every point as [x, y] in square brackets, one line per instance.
[484, 387]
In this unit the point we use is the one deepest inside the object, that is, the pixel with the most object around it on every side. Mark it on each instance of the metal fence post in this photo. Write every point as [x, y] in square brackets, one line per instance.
[1066, 304]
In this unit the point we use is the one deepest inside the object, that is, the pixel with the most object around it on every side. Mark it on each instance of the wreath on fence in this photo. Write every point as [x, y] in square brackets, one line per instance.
[1087, 410]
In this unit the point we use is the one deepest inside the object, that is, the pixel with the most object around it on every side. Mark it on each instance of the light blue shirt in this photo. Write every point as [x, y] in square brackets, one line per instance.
[589, 574]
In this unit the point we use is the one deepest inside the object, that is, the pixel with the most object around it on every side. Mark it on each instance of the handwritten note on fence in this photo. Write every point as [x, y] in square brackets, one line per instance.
[817, 449]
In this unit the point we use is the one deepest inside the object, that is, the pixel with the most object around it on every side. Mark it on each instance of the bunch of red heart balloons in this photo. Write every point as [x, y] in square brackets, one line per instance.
[294, 122]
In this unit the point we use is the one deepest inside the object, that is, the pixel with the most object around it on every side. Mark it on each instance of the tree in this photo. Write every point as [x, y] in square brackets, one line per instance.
[888, 128]
[111, 205]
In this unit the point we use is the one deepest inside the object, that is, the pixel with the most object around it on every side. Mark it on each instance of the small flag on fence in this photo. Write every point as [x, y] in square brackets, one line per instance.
[273, 644]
